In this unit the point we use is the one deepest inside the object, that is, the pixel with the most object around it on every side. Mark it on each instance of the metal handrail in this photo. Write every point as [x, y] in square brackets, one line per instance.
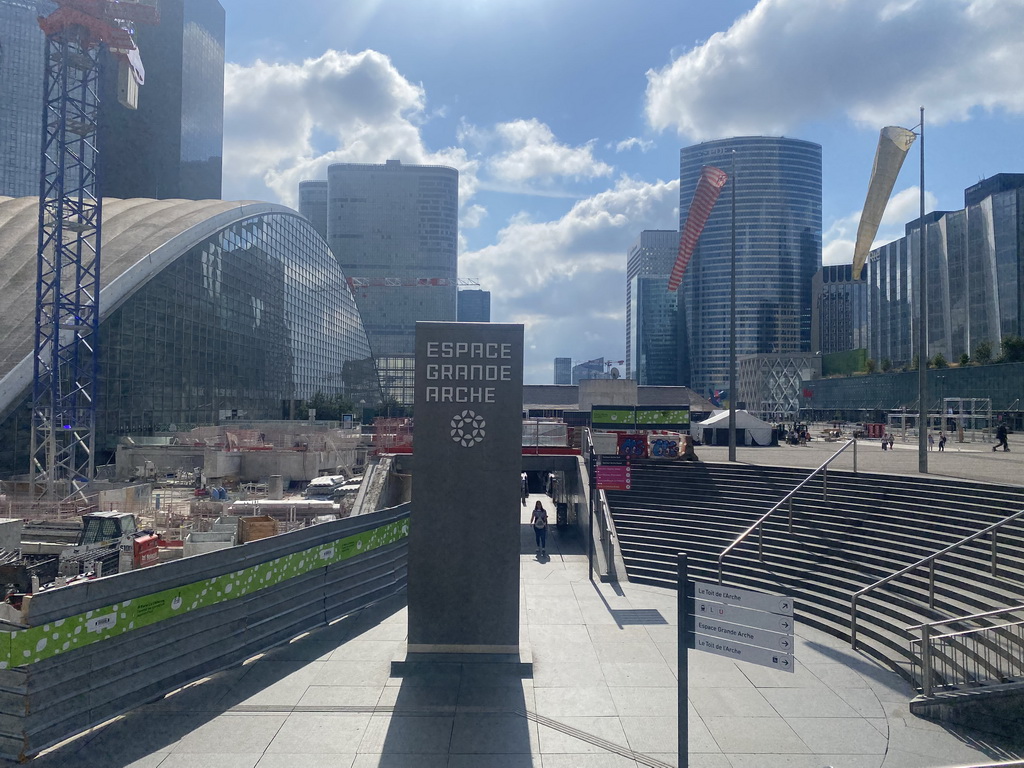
[927, 637]
[823, 469]
[930, 561]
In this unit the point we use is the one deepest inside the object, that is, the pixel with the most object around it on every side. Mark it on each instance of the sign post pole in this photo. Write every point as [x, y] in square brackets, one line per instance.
[685, 609]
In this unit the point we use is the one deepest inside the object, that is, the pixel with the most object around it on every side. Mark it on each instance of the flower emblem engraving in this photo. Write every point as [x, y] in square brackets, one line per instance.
[468, 429]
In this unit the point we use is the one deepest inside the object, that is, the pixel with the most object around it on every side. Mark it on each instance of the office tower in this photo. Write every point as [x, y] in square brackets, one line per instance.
[974, 276]
[563, 370]
[777, 183]
[171, 146]
[313, 204]
[22, 54]
[394, 229]
[654, 341]
[474, 306]
[590, 369]
[840, 310]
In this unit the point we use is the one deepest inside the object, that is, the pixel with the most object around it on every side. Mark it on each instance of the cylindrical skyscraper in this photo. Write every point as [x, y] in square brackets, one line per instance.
[778, 249]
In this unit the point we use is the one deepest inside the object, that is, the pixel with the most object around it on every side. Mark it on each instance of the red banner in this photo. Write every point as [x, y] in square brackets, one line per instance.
[704, 198]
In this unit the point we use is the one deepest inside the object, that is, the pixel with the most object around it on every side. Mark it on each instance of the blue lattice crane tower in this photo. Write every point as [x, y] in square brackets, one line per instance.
[70, 216]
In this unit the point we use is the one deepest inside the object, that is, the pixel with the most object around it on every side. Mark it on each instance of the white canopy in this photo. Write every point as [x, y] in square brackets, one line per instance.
[755, 431]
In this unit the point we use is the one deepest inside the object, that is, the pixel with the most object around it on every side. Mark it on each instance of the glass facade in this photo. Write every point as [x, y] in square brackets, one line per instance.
[244, 324]
[563, 370]
[840, 310]
[655, 318]
[22, 58]
[474, 306]
[975, 277]
[396, 223]
[172, 145]
[313, 204]
[653, 254]
[778, 250]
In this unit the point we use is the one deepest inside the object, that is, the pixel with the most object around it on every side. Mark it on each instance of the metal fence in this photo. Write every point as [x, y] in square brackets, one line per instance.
[94, 650]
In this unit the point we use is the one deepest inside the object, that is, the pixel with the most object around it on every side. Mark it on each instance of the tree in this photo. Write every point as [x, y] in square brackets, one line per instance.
[870, 365]
[965, 360]
[939, 361]
[913, 364]
[886, 365]
[983, 353]
[1012, 349]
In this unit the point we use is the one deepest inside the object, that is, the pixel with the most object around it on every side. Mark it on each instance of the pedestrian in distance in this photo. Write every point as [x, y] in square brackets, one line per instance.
[885, 442]
[1001, 438]
[931, 442]
[891, 441]
[942, 441]
[539, 518]
[524, 487]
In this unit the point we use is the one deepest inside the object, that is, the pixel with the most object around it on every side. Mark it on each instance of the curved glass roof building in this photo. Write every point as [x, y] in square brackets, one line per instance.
[778, 250]
[206, 307]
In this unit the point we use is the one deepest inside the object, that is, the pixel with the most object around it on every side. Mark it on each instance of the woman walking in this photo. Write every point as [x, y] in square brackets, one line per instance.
[539, 518]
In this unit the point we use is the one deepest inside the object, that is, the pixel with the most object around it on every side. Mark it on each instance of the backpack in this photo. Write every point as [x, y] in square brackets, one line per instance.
[541, 520]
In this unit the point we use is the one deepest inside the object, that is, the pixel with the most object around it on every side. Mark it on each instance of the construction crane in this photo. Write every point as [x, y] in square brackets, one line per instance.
[70, 216]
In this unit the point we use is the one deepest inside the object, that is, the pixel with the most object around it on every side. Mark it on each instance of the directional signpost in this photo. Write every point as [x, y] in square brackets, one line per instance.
[739, 624]
[613, 478]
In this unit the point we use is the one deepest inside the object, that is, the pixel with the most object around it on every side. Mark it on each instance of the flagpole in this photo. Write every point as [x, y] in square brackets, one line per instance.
[922, 332]
[732, 323]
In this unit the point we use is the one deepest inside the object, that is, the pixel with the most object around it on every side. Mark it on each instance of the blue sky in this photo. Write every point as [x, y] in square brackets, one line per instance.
[565, 119]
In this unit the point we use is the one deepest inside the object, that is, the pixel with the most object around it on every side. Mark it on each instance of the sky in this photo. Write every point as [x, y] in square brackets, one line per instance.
[565, 119]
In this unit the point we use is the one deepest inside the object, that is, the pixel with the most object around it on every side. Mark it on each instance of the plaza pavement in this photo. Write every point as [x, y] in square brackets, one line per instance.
[602, 692]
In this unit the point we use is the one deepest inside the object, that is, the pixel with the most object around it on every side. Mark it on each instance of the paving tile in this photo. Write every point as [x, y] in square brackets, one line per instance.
[340, 696]
[494, 698]
[576, 701]
[590, 760]
[422, 698]
[835, 675]
[651, 734]
[862, 700]
[232, 734]
[708, 760]
[763, 677]
[212, 760]
[644, 653]
[805, 761]
[401, 734]
[560, 674]
[308, 761]
[579, 734]
[757, 735]
[306, 649]
[636, 701]
[731, 702]
[314, 733]
[634, 674]
[353, 673]
[366, 650]
[370, 760]
[486, 734]
[851, 736]
[801, 702]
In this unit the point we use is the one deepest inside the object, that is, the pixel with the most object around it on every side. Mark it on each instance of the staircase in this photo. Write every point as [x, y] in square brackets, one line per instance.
[869, 527]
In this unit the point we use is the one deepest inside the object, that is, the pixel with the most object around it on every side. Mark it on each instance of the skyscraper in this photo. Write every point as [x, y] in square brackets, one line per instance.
[654, 344]
[22, 54]
[563, 370]
[170, 147]
[394, 225]
[313, 204]
[778, 249]
[840, 310]
[474, 306]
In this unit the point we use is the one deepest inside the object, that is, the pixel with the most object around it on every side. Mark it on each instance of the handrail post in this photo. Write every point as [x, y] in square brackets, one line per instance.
[995, 564]
[853, 622]
[855, 456]
[760, 542]
[824, 483]
[926, 660]
[931, 583]
[790, 514]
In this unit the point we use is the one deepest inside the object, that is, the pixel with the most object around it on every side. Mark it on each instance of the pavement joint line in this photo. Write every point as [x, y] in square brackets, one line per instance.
[557, 725]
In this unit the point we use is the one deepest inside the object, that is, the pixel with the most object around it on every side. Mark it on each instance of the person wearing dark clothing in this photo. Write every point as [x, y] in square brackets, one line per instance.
[942, 441]
[539, 518]
[1001, 438]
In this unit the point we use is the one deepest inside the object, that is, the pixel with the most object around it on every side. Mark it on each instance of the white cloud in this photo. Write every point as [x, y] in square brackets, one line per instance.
[787, 62]
[527, 151]
[626, 144]
[565, 279]
[276, 115]
[903, 207]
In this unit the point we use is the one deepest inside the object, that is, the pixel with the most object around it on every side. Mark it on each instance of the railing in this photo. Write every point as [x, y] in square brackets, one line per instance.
[930, 562]
[787, 499]
[600, 514]
[982, 655]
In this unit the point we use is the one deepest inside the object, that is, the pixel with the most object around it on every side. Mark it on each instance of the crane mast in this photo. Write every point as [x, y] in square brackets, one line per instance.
[66, 364]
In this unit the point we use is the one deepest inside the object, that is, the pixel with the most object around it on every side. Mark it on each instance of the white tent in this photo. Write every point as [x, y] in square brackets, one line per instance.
[750, 430]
